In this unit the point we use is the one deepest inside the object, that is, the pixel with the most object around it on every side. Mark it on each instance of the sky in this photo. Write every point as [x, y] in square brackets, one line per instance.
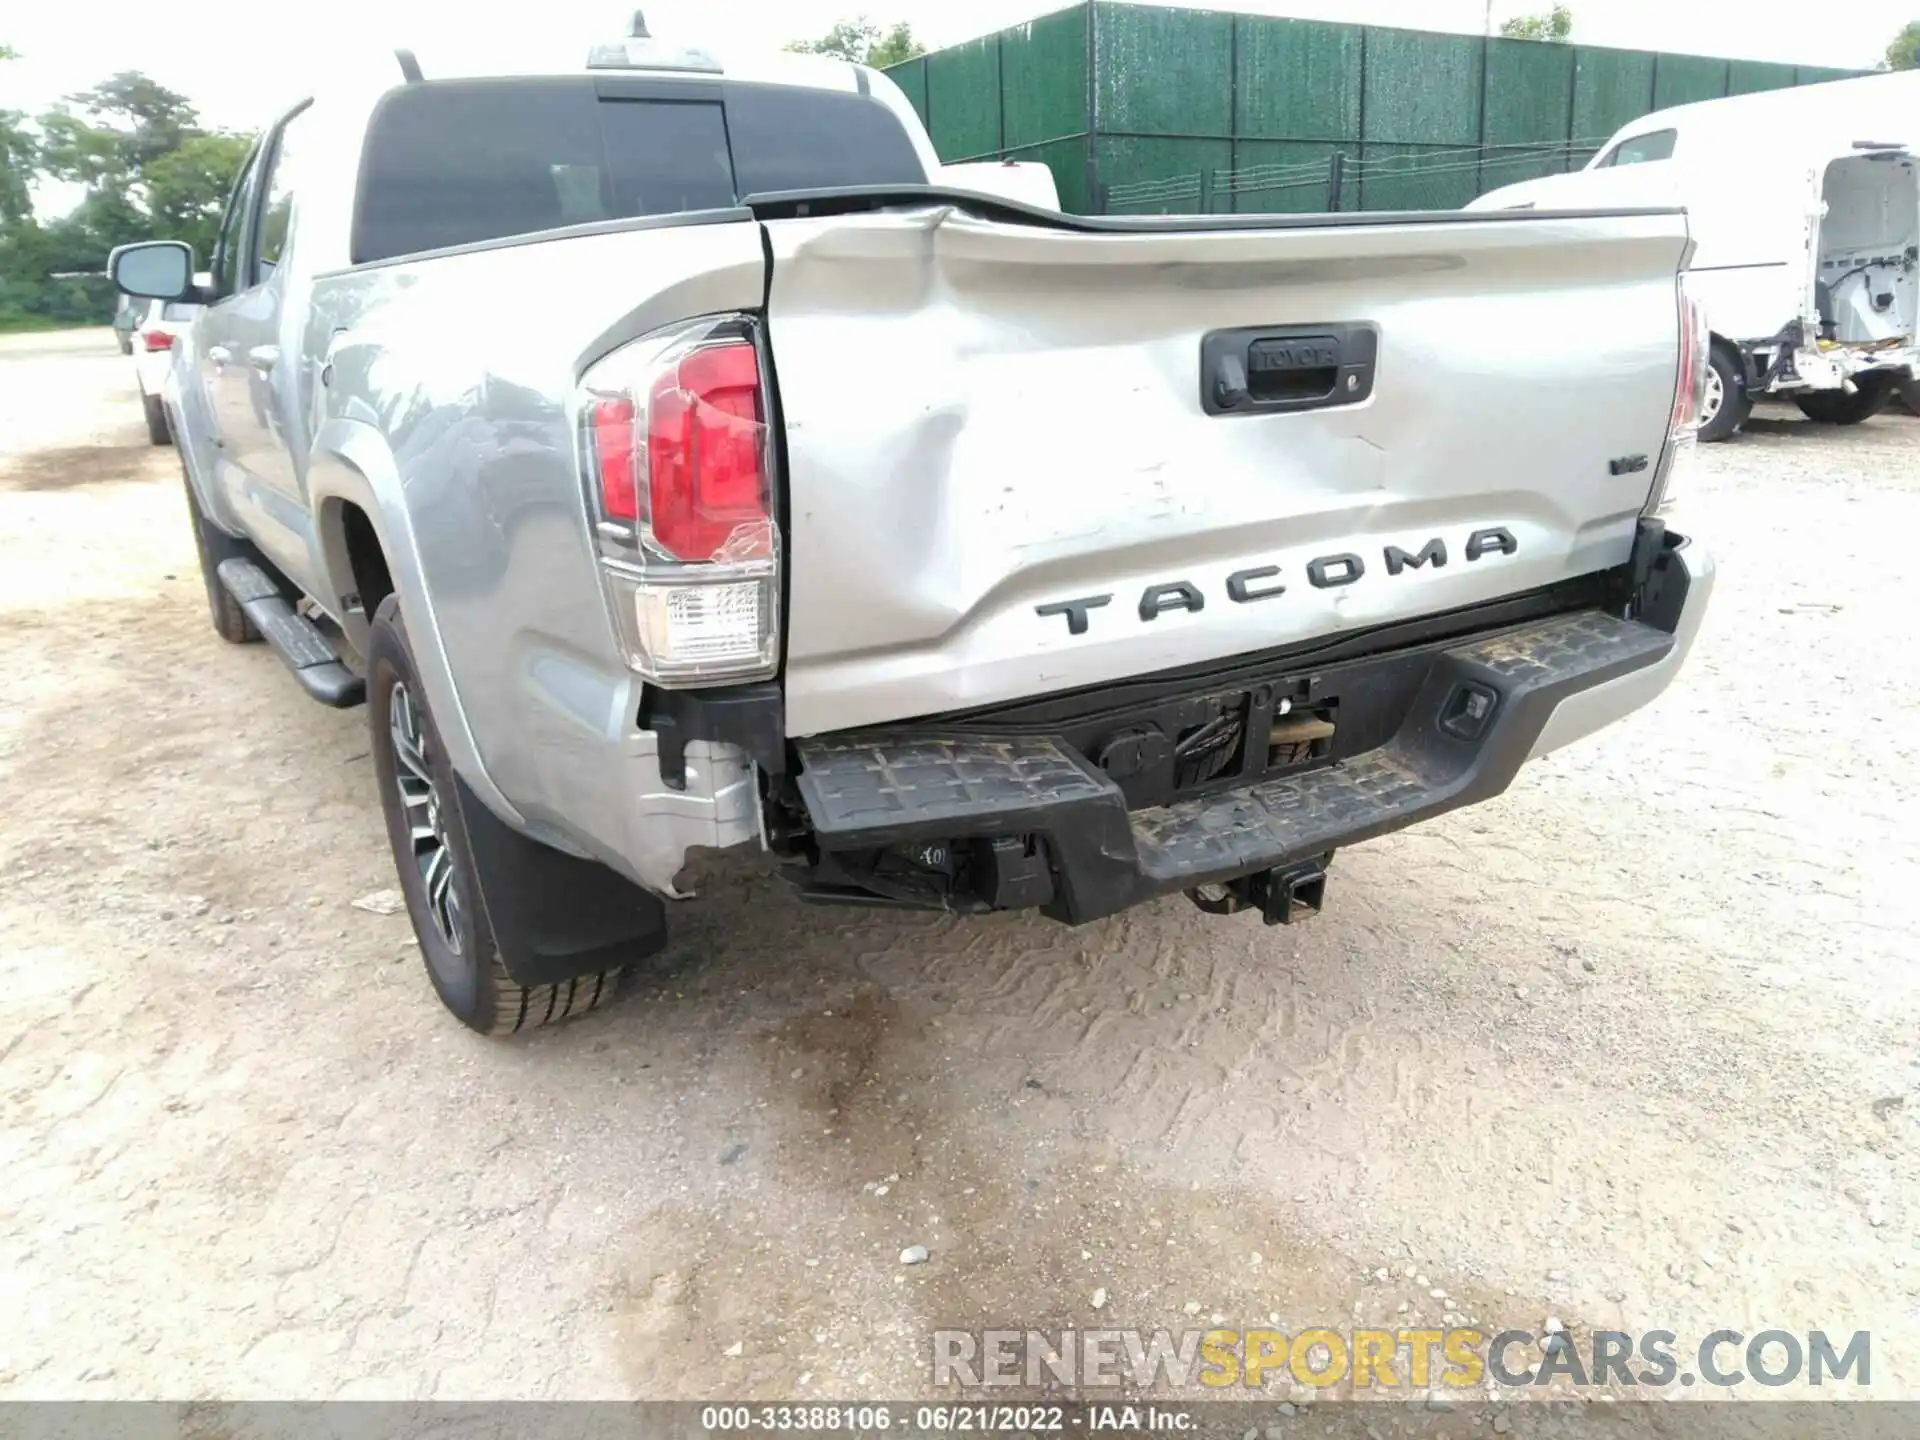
[240, 75]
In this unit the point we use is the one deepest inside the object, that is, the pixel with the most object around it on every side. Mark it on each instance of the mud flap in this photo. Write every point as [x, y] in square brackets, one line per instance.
[555, 916]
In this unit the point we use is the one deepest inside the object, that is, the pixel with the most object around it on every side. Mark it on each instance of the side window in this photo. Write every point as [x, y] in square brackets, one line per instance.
[226, 251]
[1640, 149]
[282, 170]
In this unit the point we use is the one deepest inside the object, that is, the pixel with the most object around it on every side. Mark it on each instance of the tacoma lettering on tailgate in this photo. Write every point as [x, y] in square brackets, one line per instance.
[1262, 582]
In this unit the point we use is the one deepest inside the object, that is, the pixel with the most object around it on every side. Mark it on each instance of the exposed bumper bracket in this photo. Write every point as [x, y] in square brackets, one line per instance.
[749, 716]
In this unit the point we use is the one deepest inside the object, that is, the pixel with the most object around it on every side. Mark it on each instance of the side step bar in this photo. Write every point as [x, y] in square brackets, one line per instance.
[299, 642]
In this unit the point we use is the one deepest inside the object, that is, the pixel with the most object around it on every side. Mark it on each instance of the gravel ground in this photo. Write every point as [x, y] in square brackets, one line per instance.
[1633, 1045]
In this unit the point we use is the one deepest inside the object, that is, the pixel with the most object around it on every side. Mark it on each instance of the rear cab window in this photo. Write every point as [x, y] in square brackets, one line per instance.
[460, 162]
[789, 138]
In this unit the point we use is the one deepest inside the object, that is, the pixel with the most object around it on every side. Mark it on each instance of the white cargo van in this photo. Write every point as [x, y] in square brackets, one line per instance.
[1027, 181]
[1805, 213]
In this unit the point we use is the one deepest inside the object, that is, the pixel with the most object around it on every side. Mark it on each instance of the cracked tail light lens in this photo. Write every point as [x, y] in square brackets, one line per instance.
[1689, 395]
[613, 458]
[1690, 383]
[707, 491]
[678, 465]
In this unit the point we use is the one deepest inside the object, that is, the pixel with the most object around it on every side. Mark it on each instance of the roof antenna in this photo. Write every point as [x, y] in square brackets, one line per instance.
[409, 67]
[639, 31]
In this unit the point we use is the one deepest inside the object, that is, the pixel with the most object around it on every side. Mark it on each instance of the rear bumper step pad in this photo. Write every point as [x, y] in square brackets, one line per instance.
[1471, 727]
[297, 640]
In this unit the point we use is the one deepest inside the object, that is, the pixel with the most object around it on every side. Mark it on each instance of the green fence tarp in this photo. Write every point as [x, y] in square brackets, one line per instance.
[1749, 77]
[1422, 89]
[1154, 175]
[1068, 161]
[1282, 177]
[1610, 87]
[1162, 72]
[1158, 110]
[1819, 74]
[1043, 77]
[1297, 79]
[1510, 164]
[963, 99]
[1529, 92]
[1416, 177]
[912, 80]
[1683, 79]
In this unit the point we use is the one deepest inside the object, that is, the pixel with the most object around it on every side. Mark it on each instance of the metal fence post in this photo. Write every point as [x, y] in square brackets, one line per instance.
[1336, 176]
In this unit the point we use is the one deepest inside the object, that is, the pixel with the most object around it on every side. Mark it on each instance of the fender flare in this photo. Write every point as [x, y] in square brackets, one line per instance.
[350, 463]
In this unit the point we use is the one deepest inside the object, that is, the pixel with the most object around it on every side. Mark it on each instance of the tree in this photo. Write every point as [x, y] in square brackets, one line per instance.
[1555, 24]
[111, 133]
[1903, 51]
[19, 157]
[864, 43]
[186, 189]
[148, 168]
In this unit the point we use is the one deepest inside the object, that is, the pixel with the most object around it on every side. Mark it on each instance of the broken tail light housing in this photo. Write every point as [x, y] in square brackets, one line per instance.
[678, 464]
[1689, 394]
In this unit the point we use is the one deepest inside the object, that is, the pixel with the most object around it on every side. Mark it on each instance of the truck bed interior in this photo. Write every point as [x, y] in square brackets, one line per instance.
[1866, 282]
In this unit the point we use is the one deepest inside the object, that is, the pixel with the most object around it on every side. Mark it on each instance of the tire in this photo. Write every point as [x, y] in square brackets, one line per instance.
[158, 431]
[230, 622]
[1837, 407]
[1727, 404]
[1909, 393]
[433, 855]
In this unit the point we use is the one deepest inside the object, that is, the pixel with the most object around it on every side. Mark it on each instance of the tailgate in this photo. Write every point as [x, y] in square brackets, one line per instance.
[1007, 477]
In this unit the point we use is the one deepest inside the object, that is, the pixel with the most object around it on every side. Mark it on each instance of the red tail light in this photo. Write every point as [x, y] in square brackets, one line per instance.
[613, 446]
[706, 467]
[155, 340]
[676, 458]
[1689, 395]
[703, 469]
[1690, 383]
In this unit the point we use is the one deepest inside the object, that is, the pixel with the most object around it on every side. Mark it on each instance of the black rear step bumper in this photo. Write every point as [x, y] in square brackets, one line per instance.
[1478, 715]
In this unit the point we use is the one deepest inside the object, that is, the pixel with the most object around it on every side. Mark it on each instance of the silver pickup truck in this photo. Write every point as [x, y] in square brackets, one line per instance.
[670, 467]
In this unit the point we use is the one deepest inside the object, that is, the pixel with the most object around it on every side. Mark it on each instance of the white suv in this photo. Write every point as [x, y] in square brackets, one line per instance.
[153, 334]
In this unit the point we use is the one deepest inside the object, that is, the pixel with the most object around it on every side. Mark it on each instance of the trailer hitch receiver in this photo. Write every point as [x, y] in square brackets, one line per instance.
[1282, 895]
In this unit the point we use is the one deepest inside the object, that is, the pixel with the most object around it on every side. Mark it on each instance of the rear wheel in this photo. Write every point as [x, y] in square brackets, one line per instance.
[1725, 406]
[215, 545]
[434, 855]
[158, 431]
[1837, 407]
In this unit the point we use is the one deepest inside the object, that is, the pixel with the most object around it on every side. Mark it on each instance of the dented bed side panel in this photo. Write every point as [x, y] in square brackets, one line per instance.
[1002, 481]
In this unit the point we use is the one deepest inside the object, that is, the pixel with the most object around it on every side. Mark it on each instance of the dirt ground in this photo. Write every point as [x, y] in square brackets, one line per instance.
[1632, 1046]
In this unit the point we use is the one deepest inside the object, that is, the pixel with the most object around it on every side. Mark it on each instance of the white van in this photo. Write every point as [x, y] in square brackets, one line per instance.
[1805, 213]
[1027, 181]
